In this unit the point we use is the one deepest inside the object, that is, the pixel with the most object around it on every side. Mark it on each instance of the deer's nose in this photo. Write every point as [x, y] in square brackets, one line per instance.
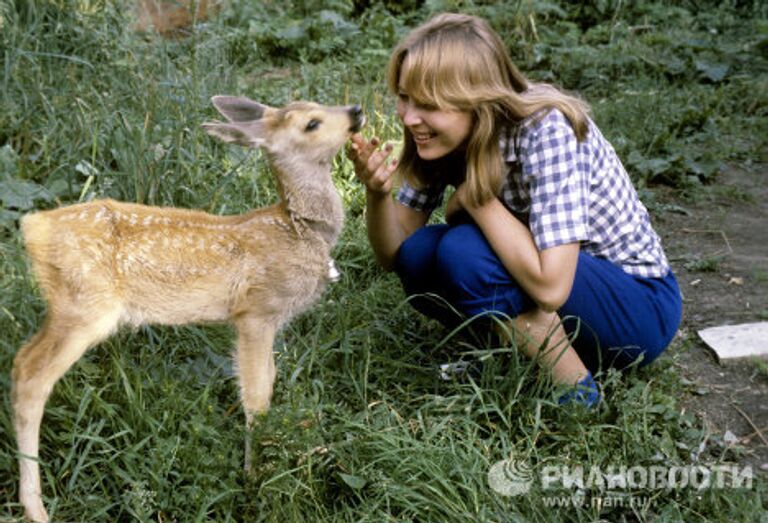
[358, 118]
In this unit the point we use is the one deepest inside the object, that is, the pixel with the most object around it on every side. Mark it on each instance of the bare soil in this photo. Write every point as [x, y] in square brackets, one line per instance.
[718, 247]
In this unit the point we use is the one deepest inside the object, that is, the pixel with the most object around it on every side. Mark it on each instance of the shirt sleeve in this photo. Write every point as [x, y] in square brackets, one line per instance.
[557, 173]
[425, 199]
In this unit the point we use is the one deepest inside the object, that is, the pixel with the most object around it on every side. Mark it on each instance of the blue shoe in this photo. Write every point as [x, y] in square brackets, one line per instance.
[586, 392]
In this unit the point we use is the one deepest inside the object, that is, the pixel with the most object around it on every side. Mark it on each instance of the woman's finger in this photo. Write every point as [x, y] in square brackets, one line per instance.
[382, 179]
[378, 158]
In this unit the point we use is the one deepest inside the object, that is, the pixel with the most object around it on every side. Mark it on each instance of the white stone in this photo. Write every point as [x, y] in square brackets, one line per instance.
[737, 341]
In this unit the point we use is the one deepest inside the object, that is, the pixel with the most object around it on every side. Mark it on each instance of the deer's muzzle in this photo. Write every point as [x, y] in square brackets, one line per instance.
[358, 118]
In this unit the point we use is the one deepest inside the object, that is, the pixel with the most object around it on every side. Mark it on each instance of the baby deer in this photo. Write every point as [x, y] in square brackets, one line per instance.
[104, 263]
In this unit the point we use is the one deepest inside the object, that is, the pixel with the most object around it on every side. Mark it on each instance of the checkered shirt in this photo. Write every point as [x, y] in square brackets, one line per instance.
[569, 191]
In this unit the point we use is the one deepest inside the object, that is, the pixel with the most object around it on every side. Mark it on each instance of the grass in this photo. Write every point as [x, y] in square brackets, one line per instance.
[147, 426]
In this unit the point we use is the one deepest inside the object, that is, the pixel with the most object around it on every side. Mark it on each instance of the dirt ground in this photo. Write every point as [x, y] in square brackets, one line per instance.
[718, 247]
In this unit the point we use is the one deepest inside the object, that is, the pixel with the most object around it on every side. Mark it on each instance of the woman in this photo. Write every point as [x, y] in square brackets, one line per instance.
[544, 226]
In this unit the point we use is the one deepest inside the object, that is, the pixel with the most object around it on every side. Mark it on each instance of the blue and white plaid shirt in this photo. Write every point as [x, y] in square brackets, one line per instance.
[569, 191]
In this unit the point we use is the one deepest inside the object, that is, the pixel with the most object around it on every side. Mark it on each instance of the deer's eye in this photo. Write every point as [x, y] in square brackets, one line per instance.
[312, 125]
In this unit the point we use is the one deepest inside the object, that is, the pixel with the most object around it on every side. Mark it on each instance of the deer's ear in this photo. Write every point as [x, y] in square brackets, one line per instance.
[247, 135]
[239, 108]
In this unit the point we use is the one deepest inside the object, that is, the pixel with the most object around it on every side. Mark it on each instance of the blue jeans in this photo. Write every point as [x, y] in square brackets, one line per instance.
[615, 318]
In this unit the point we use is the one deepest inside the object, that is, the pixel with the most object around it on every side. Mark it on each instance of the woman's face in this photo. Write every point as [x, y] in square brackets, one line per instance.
[435, 132]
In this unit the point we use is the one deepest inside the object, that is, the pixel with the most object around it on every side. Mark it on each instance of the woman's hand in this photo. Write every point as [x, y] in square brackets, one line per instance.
[389, 223]
[370, 163]
[546, 276]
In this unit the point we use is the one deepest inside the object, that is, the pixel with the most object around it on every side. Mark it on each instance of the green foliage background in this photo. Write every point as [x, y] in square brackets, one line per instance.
[147, 426]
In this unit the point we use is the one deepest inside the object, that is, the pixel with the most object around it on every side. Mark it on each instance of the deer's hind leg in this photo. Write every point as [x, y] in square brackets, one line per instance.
[63, 339]
[255, 369]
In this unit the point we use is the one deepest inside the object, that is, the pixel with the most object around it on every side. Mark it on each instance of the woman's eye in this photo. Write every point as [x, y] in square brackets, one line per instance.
[404, 98]
[312, 125]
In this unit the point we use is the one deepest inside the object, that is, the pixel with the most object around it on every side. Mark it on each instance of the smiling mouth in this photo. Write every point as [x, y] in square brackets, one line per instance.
[422, 137]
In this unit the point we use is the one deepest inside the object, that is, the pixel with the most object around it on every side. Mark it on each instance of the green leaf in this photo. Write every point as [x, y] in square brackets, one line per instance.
[61, 187]
[356, 482]
[703, 168]
[7, 218]
[292, 33]
[339, 23]
[14, 193]
[656, 409]
[86, 169]
[21, 195]
[673, 65]
[8, 165]
[715, 72]
[657, 166]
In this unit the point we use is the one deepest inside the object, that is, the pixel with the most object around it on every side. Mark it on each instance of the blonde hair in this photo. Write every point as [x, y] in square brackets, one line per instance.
[458, 62]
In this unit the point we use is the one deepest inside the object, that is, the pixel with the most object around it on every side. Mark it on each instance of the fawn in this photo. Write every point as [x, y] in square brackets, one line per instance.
[105, 263]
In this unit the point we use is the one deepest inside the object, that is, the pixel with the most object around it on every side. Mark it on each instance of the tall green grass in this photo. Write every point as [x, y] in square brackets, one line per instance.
[148, 427]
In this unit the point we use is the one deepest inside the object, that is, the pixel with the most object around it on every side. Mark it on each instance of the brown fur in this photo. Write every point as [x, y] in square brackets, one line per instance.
[172, 18]
[105, 263]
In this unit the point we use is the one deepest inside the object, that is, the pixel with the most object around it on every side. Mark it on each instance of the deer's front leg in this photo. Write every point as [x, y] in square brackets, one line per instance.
[256, 370]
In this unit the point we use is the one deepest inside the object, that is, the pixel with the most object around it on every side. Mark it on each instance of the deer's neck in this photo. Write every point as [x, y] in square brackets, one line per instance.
[310, 198]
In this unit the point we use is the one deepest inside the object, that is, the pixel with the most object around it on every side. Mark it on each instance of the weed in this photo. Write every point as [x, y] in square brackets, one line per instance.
[762, 366]
[707, 264]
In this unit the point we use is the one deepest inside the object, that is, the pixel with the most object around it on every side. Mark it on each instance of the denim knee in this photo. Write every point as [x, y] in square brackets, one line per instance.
[474, 279]
[415, 261]
[459, 263]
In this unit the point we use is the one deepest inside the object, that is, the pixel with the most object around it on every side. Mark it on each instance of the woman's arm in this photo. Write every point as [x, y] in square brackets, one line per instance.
[546, 276]
[388, 222]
